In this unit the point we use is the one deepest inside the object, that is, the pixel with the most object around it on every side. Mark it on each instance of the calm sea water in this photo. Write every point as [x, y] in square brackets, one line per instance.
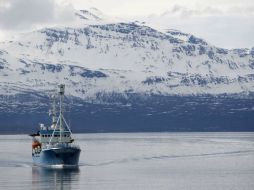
[143, 161]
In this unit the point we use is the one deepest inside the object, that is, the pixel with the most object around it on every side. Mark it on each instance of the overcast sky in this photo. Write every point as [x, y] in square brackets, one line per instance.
[224, 23]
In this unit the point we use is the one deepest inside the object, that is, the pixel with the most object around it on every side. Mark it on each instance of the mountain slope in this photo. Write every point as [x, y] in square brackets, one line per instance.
[131, 57]
[119, 61]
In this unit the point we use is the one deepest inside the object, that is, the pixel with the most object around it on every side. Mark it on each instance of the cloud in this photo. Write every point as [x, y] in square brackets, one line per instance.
[201, 11]
[228, 27]
[226, 23]
[24, 14]
[186, 12]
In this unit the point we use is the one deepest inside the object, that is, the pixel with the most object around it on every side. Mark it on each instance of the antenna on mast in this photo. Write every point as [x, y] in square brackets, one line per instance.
[61, 89]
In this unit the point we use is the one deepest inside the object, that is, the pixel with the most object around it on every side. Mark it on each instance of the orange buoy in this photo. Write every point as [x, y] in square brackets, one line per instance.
[36, 144]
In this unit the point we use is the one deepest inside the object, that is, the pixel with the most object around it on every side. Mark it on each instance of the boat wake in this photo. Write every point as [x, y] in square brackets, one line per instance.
[162, 157]
[17, 164]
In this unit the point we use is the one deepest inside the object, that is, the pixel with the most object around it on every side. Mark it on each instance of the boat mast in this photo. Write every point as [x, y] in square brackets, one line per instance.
[61, 94]
[53, 112]
[60, 122]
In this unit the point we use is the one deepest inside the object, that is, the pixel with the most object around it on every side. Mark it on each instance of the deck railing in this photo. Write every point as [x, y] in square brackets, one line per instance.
[60, 145]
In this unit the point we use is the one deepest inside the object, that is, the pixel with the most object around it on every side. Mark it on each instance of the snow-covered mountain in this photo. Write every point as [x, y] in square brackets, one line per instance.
[103, 56]
[122, 57]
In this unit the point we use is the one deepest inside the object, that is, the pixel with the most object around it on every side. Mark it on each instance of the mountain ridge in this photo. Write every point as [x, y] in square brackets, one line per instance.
[53, 48]
[124, 68]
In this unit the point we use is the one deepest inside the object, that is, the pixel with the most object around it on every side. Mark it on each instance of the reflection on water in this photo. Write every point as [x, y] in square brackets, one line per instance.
[47, 178]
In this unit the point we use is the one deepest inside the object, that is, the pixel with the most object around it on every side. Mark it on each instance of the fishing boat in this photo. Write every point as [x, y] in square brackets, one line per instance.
[54, 145]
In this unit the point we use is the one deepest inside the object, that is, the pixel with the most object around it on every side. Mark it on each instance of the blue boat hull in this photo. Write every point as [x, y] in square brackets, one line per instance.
[57, 157]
